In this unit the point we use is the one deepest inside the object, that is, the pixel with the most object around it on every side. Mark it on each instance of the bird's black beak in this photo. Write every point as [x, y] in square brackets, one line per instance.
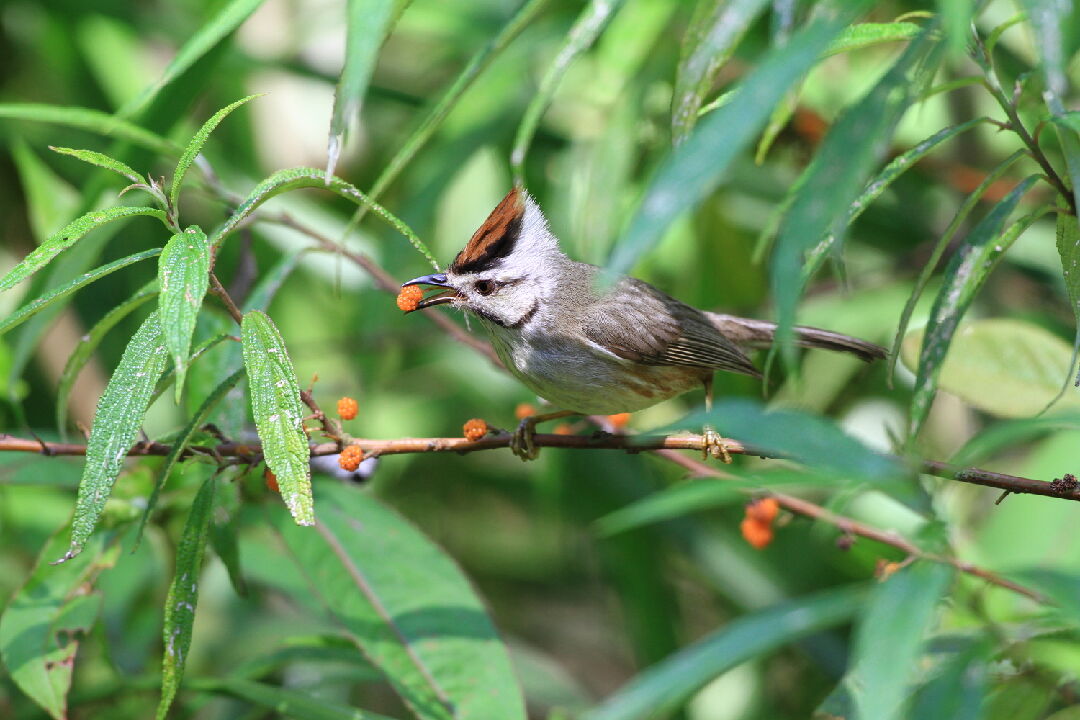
[438, 280]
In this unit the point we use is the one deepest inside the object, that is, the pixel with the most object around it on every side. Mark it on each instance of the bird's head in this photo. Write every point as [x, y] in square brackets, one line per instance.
[507, 269]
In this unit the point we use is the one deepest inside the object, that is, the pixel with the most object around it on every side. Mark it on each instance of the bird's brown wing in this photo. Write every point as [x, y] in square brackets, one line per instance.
[639, 323]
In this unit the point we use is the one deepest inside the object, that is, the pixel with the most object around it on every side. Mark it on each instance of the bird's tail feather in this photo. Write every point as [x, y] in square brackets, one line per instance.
[759, 333]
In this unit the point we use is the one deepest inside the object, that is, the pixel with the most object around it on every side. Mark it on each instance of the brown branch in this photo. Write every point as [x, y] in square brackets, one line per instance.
[664, 446]
[222, 294]
[854, 527]
[384, 281]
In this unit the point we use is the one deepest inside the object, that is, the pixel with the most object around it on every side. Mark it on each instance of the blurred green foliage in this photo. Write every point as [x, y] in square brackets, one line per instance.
[857, 166]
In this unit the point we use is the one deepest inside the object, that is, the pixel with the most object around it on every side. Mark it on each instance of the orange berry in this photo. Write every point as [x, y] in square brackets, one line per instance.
[409, 298]
[755, 532]
[563, 429]
[763, 510]
[619, 420]
[474, 429]
[347, 408]
[271, 481]
[350, 458]
[524, 410]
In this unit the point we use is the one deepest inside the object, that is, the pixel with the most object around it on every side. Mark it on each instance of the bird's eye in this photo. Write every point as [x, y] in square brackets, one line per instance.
[485, 287]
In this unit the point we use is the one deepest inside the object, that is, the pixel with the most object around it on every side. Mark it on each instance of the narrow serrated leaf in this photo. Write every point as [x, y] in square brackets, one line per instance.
[92, 120]
[90, 341]
[103, 161]
[667, 685]
[42, 624]
[194, 147]
[64, 238]
[942, 245]
[213, 31]
[35, 306]
[1068, 245]
[693, 169]
[169, 376]
[408, 607]
[116, 426]
[890, 637]
[366, 26]
[715, 29]
[224, 531]
[968, 269]
[295, 178]
[864, 35]
[581, 36]
[282, 701]
[449, 99]
[183, 595]
[1051, 21]
[839, 171]
[183, 278]
[279, 415]
[879, 184]
[180, 443]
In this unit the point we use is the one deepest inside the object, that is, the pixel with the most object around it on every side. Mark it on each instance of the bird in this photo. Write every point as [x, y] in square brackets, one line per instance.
[589, 349]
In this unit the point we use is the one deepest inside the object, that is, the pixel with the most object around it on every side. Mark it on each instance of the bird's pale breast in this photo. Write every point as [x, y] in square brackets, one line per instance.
[571, 376]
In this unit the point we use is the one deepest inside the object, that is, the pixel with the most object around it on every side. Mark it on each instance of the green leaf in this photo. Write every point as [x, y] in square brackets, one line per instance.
[1061, 588]
[994, 438]
[183, 276]
[183, 595]
[49, 198]
[944, 242]
[279, 415]
[581, 36]
[67, 236]
[956, 18]
[666, 686]
[1050, 20]
[282, 701]
[1068, 245]
[40, 628]
[217, 28]
[295, 178]
[101, 160]
[367, 24]
[180, 443]
[695, 168]
[958, 689]
[864, 35]
[448, 101]
[969, 268]
[1070, 120]
[407, 606]
[92, 120]
[808, 439]
[890, 637]
[703, 494]
[1022, 362]
[900, 164]
[715, 29]
[116, 426]
[89, 342]
[35, 306]
[839, 170]
[223, 535]
[195, 147]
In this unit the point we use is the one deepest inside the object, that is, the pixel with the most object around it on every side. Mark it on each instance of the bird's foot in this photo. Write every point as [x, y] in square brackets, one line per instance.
[714, 445]
[523, 440]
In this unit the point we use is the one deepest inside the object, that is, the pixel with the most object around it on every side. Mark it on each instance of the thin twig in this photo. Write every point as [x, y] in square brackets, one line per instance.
[383, 280]
[222, 294]
[599, 441]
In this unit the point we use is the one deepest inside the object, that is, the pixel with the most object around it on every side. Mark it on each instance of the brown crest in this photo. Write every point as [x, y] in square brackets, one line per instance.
[496, 237]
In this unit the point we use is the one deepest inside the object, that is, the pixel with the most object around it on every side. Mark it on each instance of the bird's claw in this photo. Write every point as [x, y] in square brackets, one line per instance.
[522, 442]
[713, 445]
